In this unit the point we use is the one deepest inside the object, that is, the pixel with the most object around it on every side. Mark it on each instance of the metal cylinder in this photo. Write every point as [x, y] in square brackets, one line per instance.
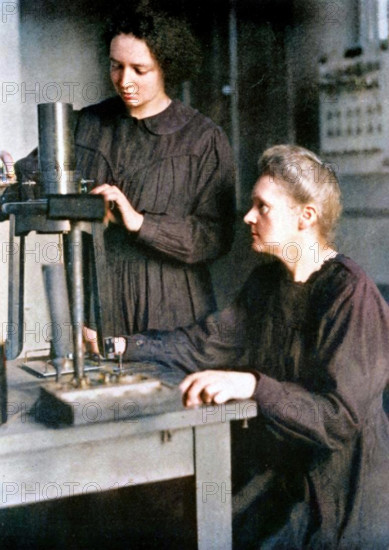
[58, 300]
[56, 148]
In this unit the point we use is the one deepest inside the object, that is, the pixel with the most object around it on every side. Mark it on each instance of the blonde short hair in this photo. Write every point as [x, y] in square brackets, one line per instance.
[307, 180]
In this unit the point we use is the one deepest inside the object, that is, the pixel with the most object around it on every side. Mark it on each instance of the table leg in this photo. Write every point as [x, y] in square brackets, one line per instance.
[213, 486]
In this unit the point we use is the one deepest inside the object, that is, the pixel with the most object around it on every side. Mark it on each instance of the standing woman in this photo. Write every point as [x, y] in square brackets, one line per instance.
[308, 340]
[167, 176]
[166, 173]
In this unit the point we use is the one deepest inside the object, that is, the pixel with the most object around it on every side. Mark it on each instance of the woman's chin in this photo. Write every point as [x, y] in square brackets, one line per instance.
[257, 247]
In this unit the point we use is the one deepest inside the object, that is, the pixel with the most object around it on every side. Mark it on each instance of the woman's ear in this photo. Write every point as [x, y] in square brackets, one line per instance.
[308, 216]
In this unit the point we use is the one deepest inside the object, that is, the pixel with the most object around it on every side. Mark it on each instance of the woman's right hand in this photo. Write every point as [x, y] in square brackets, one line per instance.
[118, 207]
[217, 386]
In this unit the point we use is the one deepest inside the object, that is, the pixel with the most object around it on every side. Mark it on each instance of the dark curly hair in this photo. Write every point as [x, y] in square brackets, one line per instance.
[169, 39]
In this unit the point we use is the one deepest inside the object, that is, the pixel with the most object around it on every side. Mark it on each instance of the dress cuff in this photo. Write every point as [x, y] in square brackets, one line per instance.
[137, 348]
[148, 229]
[269, 394]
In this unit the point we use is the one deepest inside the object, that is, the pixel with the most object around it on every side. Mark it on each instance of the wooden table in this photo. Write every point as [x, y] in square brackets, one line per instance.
[39, 463]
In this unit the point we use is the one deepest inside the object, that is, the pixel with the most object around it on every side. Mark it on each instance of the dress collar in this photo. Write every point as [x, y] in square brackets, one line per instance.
[170, 120]
[173, 118]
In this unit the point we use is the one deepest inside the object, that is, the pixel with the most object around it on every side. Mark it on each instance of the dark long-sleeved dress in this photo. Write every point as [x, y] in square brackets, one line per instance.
[320, 444]
[177, 169]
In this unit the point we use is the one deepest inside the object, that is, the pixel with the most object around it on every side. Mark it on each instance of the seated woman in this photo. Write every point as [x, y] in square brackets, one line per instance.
[308, 339]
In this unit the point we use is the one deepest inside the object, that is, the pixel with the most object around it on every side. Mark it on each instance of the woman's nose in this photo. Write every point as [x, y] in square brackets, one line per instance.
[250, 217]
[127, 81]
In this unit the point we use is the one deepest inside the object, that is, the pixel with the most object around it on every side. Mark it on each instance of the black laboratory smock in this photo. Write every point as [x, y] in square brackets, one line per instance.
[312, 471]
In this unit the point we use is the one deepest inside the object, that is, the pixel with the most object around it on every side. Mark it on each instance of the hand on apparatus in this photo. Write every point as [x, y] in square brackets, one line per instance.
[91, 345]
[8, 162]
[217, 386]
[90, 340]
[118, 207]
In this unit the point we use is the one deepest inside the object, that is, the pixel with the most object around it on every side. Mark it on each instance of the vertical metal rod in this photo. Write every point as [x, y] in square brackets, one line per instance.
[3, 387]
[15, 328]
[233, 49]
[77, 299]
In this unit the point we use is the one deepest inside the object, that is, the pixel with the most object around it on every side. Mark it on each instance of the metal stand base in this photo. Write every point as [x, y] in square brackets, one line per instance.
[107, 395]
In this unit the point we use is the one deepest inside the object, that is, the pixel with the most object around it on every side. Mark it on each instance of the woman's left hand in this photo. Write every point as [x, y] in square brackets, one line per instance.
[216, 386]
[117, 203]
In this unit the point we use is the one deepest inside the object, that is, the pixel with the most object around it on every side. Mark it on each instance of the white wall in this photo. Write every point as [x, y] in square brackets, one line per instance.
[11, 134]
[43, 57]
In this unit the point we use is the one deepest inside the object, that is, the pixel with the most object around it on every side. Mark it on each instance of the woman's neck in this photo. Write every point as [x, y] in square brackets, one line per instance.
[312, 256]
[150, 109]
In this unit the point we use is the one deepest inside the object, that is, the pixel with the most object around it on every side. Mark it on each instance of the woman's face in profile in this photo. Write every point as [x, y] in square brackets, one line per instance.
[273, 219]
[136, 75]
